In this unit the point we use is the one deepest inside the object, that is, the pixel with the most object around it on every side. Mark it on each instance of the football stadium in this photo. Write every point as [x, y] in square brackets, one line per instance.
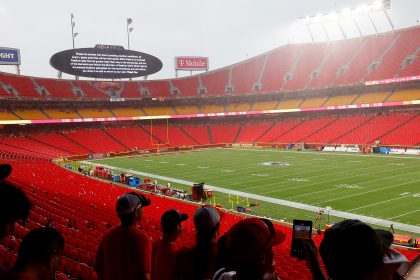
[320, 131]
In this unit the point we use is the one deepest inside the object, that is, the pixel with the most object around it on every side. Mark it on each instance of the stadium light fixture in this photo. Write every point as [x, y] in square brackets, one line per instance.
[129, 30]
[363, 10]
[73, 25]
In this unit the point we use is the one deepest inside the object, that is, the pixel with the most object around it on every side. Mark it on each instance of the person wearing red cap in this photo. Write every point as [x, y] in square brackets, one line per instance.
[199, 262]
[248, 251]
[125, 252]
[163, 254]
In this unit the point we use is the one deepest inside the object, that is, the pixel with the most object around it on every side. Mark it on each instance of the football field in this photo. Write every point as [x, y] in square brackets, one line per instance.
[381, 189]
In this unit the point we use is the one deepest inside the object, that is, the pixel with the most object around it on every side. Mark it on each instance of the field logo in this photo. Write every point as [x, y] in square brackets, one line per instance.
[276, 163]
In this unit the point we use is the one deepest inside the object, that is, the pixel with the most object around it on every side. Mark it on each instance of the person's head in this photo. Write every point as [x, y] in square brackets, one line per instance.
[130, 208]
[351, 250]
[5, 170]
[207, 222]
[171, 222]
[40, 251]
[249, 247]
[14, 206]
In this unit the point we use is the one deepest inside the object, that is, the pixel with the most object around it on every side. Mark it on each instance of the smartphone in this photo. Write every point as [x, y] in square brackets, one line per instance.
[302, 231]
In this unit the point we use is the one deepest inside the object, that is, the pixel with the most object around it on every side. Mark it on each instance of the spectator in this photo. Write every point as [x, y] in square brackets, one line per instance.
[39, 256]
[198, 262]
[163, 254]
[125, 252]
[352, 250]
[248, 251]
[5, 170]
[14, 204]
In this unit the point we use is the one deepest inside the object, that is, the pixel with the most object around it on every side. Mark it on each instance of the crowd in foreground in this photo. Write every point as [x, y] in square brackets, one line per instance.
[350, 249]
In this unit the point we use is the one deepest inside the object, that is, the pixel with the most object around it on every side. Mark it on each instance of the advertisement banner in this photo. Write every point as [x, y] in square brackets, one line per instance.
[9, 56]
[191, 63]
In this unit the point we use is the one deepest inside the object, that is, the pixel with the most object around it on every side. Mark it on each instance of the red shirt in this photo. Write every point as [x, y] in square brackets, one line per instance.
[124, 253]
[163, 258]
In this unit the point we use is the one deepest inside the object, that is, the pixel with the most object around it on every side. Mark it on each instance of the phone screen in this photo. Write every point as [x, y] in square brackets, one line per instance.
[301, 233]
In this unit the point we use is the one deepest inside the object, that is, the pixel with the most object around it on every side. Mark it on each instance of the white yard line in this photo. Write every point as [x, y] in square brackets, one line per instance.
[341, 214]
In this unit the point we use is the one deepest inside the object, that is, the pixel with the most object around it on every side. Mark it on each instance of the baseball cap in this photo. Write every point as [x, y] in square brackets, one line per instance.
[206, 217]
[5, 170]
[170, 219]
[247, 239]
[130, 202]
[349, 244]
[386, 237]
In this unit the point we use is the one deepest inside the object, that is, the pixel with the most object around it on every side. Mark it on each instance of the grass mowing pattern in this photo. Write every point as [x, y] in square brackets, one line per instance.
[386, 187]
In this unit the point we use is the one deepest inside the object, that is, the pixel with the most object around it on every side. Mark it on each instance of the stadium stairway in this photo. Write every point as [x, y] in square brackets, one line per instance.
[114, 138]
[210, 135]
[189, 136]
[77, 143]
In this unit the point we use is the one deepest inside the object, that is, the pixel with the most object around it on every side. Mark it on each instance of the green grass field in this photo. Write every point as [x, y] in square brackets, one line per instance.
[386, 187]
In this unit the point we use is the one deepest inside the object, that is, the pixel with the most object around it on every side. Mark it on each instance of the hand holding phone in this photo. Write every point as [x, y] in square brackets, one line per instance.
[302, 231]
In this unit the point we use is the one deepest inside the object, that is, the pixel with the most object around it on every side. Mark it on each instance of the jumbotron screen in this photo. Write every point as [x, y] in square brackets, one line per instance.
[105, 62]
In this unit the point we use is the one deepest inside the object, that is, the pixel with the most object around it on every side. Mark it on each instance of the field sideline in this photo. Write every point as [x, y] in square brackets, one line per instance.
[383, 189]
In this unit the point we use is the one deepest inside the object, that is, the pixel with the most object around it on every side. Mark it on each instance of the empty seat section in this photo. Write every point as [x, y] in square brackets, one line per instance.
[341, 54]
[31, 114]
[405, 95]
[131, 90]
[336, 129]
[303, 130]
[59, 141]
[278, 129]
[90, 91]
[187, 110]
[215, 81]
[251, 132]
[159, 134]
[157, 88]
[159, 111]
[6, 94]
[95, 113]
[224, 133]
[179, 138]
[289, 104]
[212, 109]
[412, 69]
[199, 133]
[61, 113]
[340, 100]
[266, 105]
[127, 112]
[132, 137]
[23, 85]
[407, 134]
[187, 86]
[279, 63]
[313, 102]
[6, 115]
[21, 153]
[57, 88]
[32, 145]
[367, 54]
[371, 97]
[374, 129]
[95, 140]
[406, 45]
[311, 59]
[238, 107]
[245, 75]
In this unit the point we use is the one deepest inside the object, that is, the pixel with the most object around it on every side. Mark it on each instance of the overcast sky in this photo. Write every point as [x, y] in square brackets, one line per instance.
[226, 31]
